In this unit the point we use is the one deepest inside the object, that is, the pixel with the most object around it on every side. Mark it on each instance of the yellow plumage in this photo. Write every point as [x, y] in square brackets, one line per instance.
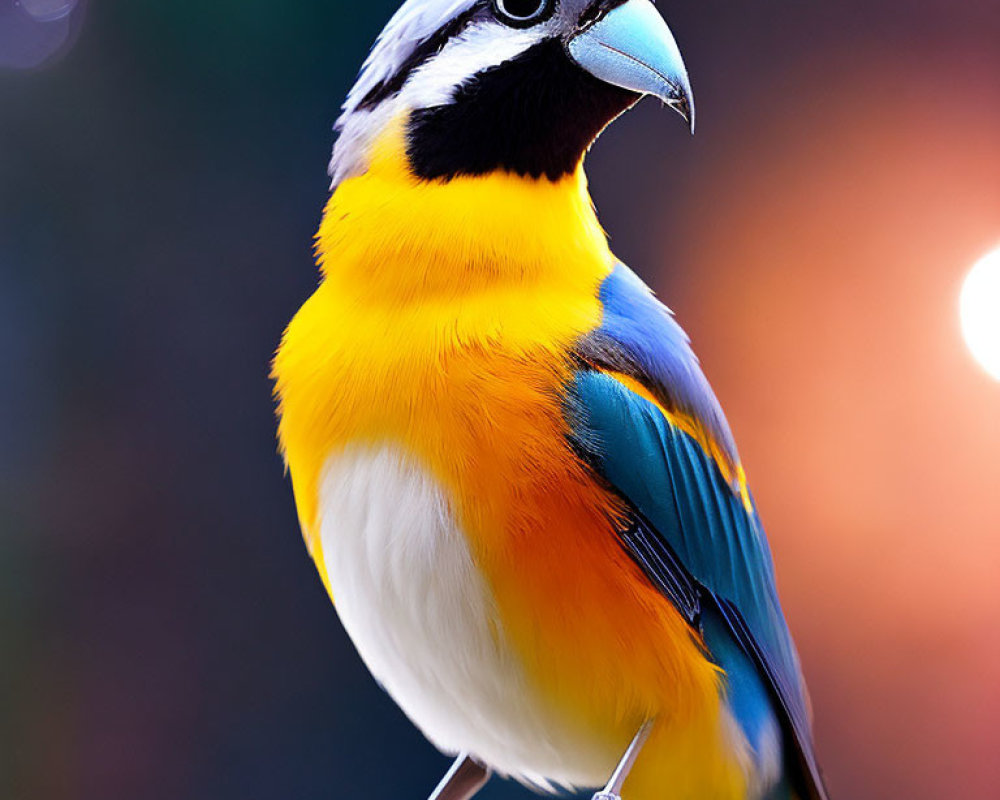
[415, 270]
[441, 325]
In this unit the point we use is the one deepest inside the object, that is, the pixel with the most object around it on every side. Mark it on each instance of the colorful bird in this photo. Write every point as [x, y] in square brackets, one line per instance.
[513, 477]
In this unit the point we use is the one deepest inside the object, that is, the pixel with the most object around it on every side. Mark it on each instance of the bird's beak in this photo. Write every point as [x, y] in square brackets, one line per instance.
[632, 47]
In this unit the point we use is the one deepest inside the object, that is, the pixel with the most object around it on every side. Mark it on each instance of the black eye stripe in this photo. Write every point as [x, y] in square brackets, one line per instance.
[428, 48]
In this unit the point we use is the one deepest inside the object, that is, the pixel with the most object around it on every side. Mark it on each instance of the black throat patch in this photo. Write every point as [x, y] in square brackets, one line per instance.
[534, 115]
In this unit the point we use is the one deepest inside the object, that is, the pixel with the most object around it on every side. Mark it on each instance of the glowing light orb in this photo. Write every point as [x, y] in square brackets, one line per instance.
[980, 311]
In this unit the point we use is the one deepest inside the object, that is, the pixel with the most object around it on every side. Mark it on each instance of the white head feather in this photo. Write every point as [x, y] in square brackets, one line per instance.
[414, 23]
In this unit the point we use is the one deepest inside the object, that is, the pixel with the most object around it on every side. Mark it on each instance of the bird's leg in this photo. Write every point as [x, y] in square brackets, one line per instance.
[614, 788]
[466, 777]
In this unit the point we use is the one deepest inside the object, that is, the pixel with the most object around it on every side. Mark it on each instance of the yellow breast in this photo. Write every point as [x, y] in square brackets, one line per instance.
[433, 294]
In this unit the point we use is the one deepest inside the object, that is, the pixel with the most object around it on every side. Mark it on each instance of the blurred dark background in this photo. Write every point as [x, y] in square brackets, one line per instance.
[162, 170]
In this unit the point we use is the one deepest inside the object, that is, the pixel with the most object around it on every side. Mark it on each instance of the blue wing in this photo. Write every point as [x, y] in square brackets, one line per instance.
[695, 534]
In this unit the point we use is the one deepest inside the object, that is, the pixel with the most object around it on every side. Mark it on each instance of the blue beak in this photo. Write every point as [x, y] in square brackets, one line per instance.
[632, 47]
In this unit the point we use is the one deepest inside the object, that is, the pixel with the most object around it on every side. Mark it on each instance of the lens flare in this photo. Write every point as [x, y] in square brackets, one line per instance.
[980, 312]
[48, 10]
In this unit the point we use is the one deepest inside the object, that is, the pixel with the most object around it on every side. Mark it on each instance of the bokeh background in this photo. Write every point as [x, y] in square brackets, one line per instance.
[162, 170]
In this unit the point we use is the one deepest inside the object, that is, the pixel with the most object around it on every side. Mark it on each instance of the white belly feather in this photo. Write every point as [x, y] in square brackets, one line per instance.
[420, 615]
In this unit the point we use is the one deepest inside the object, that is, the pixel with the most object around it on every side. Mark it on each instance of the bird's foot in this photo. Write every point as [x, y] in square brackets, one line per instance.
[614, 787]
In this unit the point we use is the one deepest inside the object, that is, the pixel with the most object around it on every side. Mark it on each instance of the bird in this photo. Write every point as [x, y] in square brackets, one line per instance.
[514, 479]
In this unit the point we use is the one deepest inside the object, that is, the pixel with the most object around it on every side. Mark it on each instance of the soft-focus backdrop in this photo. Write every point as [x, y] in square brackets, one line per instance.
[162, 631]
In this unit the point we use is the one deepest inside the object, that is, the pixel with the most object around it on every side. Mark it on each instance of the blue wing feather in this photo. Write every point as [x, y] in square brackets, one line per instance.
[692, 534]
[639, 336]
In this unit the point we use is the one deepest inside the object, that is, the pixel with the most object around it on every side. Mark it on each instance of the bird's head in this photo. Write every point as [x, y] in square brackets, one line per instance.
[519, 86]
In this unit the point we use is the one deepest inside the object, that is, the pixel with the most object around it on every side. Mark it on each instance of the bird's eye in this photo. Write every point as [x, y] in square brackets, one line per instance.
[522, 13]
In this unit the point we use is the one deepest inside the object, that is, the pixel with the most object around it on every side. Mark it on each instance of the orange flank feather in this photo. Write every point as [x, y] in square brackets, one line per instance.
[442, 326]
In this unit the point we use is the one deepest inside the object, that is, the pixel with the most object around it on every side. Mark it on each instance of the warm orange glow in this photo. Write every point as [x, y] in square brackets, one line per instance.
[818, 277]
